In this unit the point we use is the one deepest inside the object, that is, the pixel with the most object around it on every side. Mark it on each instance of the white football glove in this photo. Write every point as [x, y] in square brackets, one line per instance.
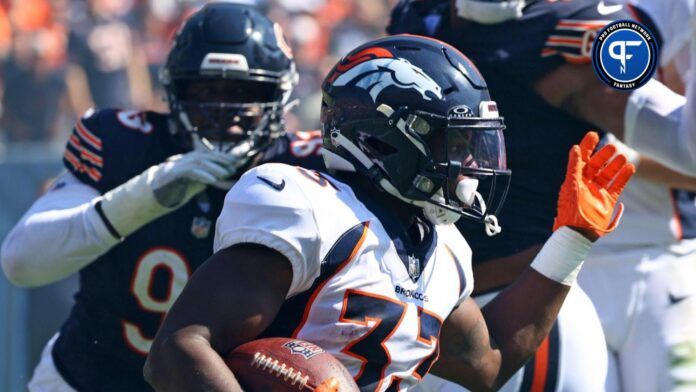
[163, 188]
[182, 176]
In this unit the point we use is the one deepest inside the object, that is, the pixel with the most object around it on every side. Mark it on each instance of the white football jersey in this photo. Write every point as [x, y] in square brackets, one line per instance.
[356, 291]
[672, 18]
[649, 217]
[652, 219]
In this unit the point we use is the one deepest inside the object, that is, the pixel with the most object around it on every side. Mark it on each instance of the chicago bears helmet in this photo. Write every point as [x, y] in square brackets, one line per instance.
[228, 78]
[414, 115]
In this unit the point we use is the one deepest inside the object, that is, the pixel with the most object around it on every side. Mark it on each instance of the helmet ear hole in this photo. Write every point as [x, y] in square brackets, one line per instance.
[380, 147]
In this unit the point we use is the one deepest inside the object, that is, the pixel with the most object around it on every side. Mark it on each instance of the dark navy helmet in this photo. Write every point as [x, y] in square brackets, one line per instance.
[228, 78]
[414, 115]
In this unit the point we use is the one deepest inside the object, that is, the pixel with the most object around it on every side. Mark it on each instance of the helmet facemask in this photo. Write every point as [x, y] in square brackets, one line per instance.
[461, 165]
[228, 77]
[237, 116]
[468, 156]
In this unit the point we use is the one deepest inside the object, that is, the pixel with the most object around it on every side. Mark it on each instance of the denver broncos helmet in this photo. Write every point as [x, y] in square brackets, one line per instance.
[415, 116]
[228, 78]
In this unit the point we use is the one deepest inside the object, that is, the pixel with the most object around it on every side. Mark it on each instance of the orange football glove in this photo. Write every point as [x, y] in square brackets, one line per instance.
[591, 188]
[331, 384]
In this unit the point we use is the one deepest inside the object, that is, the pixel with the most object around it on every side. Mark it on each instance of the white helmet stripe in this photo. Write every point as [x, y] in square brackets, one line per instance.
[401, 126]
[353, 150]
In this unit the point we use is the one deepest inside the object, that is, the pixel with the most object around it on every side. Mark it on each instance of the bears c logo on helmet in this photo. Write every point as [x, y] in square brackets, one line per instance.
[375, 69]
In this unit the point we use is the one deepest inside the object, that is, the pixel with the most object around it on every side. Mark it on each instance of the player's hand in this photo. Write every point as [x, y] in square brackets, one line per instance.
[182, 176]
[329, 385]
[591, 188]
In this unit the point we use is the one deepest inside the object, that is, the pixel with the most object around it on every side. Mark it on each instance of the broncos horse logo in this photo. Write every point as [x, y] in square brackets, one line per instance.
[375, 69]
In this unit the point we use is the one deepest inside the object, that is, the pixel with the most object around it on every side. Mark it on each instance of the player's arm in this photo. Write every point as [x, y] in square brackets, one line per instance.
[584, 96]
[223, 305]
[653, 119]
[74, 224]
[577, 90]
[59, 234]
[652, 170]
[267, 249]
[481, 349]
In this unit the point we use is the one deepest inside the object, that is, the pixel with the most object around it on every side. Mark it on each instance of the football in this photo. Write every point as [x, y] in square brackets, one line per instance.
[282, 364]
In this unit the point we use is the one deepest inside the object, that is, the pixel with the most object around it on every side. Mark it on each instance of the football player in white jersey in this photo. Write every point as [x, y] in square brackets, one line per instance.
[415, 143]
[640, 278]
[658, 122]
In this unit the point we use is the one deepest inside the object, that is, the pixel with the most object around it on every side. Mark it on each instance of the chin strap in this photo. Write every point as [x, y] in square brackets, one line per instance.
[490, 221]
[492, 226]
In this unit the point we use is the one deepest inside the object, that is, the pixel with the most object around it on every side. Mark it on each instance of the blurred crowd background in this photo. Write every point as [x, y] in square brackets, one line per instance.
[58, 58]
[61, 57]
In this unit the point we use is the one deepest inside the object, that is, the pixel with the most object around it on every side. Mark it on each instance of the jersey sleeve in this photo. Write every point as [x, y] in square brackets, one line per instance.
[108, 147]
[83, 155]
[267, 207]
[576, 28]
[302, 148]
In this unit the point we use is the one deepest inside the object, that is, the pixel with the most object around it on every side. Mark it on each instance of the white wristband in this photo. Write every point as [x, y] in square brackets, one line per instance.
[562, 256]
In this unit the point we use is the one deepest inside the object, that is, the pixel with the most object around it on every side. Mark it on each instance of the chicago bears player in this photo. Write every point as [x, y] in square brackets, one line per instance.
[367, 263]
[641, 277]
[550, 95]
[134, 214]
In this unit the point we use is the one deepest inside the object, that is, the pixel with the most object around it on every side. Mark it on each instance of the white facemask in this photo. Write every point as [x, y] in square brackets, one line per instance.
[489, 12]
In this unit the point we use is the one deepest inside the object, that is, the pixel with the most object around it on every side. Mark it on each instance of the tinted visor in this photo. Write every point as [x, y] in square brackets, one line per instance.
[478, 145]
[227, 109]
[476, 148]
[229, 91]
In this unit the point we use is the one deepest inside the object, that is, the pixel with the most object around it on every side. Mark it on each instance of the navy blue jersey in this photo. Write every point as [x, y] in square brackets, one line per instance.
[685, 213]
[124, 294]
[512, 56]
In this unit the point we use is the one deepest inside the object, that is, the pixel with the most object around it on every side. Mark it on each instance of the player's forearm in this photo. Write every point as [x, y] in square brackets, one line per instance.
[51, 245]
[660, 125]
[185, 361]
[73, 225]
[652, 170]
[61, 233]
[521, 316]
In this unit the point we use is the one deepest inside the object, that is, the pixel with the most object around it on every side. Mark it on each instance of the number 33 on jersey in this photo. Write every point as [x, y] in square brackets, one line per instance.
[354, 291]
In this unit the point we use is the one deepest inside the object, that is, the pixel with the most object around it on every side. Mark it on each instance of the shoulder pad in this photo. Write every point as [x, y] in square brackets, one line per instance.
[576, 26]
[268, 206]
[107, 147]
[297, 149]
